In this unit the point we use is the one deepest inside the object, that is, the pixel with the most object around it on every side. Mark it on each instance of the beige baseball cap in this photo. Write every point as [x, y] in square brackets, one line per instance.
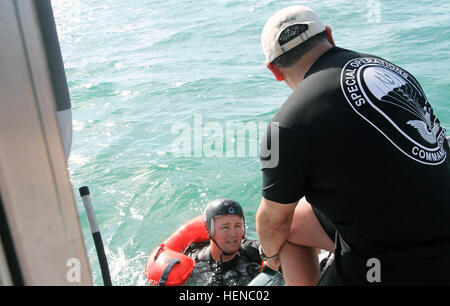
[283, 19]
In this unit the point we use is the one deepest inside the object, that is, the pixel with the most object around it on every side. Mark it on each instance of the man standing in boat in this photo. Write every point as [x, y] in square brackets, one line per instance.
[362, 166]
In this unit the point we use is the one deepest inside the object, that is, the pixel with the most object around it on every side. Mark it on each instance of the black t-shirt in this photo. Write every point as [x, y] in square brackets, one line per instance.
[359, 139]
[237, 272]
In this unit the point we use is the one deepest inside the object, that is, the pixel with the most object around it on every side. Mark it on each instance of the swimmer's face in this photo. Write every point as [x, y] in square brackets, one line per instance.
[228, 232]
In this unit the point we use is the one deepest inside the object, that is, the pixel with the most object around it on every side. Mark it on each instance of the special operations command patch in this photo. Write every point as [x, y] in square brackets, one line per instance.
[392, 101]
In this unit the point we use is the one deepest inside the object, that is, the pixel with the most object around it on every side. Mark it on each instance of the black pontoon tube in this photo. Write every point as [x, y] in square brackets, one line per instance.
[56, 69]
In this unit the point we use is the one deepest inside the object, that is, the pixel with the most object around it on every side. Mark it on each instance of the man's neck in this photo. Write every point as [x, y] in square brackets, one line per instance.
[295, 74]
[217, 254]
[224, 258]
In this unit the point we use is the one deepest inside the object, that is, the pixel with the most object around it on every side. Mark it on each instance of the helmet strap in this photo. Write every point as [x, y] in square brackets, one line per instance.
[223, 252]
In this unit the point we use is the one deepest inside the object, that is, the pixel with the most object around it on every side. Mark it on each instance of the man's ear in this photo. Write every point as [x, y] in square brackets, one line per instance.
[276, 71]
[330, 35]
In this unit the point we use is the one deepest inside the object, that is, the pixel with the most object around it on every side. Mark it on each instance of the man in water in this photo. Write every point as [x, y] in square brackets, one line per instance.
[354, 162]
[228, 259]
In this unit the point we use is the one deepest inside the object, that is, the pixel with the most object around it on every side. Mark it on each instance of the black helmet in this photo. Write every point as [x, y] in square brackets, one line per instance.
[221, 207]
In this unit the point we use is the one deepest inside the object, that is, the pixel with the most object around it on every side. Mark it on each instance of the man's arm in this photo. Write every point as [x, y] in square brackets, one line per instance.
[273, 223]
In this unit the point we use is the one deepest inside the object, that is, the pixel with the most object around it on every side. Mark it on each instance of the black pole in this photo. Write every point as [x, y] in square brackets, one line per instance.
[86, 197]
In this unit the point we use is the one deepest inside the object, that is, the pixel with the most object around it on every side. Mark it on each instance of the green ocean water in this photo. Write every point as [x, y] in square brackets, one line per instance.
[157, 87]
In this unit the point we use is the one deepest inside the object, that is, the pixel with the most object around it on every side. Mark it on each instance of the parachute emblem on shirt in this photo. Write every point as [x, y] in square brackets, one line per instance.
[391, 88]
[393, 102]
